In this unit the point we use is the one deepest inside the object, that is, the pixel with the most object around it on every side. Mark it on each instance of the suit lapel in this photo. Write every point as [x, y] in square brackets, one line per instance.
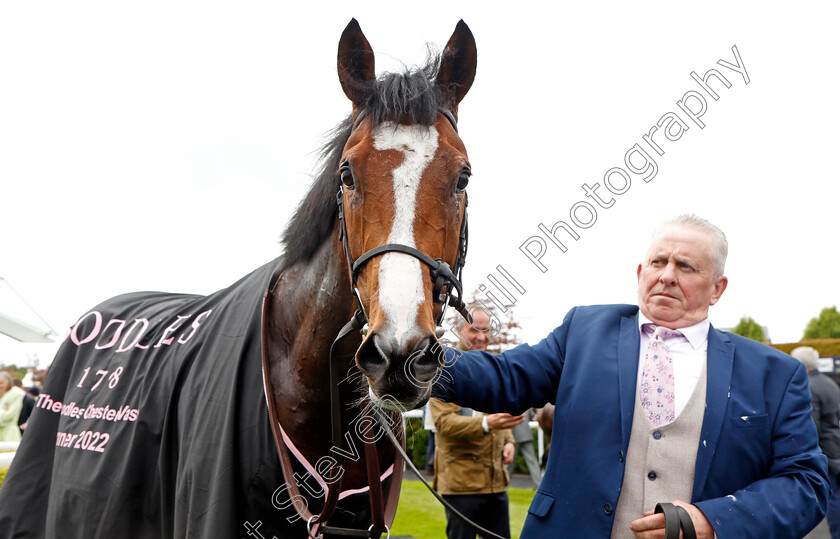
[720, 356]
[628, 366]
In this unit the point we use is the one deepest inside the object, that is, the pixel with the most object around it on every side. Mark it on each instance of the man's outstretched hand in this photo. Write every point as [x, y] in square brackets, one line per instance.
[504, 421]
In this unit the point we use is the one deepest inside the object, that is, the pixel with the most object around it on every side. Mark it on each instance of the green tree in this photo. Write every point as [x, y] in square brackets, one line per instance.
[749, 328]
[14, 370]
[825, 326]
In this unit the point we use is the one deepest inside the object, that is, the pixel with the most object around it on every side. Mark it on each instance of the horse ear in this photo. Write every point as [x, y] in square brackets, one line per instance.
[356, 68]
[457, 65]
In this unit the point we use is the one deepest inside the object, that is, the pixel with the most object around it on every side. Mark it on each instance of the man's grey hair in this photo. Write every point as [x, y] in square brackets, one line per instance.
[720, 248]
[807, 355]
[8, 377]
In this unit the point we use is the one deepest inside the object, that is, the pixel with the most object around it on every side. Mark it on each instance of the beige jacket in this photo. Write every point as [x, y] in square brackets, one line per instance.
[467, 460]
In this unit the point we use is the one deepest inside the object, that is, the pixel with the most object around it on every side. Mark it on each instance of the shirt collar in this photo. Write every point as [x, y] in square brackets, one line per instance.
[697, 335]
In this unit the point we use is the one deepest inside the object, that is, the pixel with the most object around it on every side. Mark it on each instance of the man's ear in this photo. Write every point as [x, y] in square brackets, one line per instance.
[720, 286]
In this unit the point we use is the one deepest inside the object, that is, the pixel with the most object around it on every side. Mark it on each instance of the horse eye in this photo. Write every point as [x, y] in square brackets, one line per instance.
[463, 180]
[346, 177]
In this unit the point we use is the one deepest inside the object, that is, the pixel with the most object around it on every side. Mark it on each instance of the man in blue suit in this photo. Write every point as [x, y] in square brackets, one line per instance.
[655, 405]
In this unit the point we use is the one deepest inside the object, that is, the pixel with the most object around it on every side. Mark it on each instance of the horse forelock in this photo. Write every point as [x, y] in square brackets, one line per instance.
[410, 97]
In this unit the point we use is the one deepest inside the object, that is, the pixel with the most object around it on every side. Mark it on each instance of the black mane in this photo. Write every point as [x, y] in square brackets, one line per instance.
[411, 97]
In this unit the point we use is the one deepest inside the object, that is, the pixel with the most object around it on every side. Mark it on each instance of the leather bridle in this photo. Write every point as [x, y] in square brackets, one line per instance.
[447, 290]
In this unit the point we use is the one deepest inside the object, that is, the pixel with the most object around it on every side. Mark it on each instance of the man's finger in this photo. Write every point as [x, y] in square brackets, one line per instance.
[652, 522]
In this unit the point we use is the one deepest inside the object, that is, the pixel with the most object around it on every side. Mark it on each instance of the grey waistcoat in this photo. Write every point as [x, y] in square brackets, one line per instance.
[660, 460]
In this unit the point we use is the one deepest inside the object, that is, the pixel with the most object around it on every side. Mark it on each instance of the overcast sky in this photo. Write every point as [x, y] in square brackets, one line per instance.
[164, 145]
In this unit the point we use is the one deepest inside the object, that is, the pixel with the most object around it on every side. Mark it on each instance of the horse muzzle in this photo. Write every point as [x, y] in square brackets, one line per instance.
[399, 375]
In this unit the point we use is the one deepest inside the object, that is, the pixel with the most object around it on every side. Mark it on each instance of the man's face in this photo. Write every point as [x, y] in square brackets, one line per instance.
[478, 339]
[677, 282]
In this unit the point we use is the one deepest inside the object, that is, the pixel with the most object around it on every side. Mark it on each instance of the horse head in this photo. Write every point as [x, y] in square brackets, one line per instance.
[403, 174]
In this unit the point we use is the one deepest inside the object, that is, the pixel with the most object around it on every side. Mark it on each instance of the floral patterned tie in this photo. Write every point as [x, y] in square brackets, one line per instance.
[657, 387]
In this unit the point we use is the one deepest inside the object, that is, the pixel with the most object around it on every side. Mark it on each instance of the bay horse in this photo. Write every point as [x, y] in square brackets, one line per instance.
[173, 415]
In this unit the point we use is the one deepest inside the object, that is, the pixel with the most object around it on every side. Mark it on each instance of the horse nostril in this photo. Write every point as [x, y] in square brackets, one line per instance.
[371, 359]
[425, 360]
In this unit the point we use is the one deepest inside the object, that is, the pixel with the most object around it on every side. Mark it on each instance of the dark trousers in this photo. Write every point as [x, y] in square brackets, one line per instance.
[430, 452]
[490, 511]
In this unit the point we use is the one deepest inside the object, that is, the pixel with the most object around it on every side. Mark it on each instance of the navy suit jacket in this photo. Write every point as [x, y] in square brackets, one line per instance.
[759, 470]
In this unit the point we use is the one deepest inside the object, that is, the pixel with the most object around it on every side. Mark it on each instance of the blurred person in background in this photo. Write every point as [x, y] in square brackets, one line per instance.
[471, 452]
[825, 410]
[11, 403]
[28, 405]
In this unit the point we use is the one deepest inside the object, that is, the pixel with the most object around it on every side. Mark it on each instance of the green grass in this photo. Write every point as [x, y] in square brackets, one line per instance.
[421, 516]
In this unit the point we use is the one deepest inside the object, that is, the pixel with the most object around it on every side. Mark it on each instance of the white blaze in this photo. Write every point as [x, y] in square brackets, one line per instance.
[400, 277]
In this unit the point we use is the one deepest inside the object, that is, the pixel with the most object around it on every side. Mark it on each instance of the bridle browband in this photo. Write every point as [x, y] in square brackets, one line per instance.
[447, 288]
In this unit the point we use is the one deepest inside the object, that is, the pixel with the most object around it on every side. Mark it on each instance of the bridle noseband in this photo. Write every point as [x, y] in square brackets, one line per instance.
[447, 288]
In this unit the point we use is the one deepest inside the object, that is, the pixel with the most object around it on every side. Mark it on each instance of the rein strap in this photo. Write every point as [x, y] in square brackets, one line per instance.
[382, 517]
[399, 447]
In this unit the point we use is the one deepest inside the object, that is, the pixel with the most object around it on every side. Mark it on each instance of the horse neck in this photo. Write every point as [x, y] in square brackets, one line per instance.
[310, 304]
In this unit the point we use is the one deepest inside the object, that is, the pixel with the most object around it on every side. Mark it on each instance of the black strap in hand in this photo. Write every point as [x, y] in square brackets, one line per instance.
[686, 523]
[676, 517]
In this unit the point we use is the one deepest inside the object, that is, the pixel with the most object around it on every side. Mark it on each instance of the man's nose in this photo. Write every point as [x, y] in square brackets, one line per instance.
[669, 274]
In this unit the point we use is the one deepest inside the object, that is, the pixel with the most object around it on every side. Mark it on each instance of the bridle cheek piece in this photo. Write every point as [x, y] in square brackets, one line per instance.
[447, 288]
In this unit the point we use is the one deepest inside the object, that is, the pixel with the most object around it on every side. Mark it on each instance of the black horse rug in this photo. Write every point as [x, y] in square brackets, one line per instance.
[153, 422]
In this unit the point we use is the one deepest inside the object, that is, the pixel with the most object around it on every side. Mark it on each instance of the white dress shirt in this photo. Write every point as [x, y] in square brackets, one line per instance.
[687, 355]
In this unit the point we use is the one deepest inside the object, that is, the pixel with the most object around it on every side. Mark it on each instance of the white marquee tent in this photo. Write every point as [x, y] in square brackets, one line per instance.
[20, 321]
